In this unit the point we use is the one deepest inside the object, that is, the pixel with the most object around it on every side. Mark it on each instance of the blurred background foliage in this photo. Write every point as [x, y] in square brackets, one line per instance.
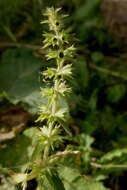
[98, 105]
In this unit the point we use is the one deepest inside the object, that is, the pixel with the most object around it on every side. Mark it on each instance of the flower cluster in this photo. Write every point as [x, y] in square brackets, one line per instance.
[53, 115]
[58, 47]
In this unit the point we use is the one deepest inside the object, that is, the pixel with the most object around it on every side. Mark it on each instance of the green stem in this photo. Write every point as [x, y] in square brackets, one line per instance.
[55, 98]
[46, 153]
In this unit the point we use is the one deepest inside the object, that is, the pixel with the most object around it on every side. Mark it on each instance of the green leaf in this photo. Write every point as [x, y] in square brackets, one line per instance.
[81, 74]
[118, 153]
[116, 93]
[93, 100]
[73, 180]
[86, 141]
[90, 123]
[19, 73]
[54, 180]
[90, 8]
[97, 57]
[18, 151]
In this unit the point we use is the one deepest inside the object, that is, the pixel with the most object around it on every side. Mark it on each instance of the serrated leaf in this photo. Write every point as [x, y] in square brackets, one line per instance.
[19, 73]
[73, 180]
[118, 153]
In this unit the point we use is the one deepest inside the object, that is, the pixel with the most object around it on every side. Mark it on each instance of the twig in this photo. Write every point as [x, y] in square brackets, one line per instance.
[19, 45]
[60, 154]
[108, 165]
[11, 134]
[114, 74]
